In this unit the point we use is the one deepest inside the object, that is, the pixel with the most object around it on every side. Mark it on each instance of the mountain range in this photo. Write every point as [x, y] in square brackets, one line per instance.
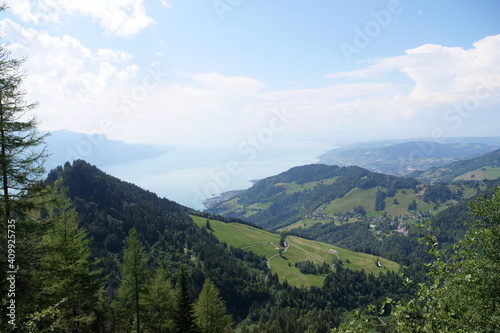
[97, 149]
[400, 158]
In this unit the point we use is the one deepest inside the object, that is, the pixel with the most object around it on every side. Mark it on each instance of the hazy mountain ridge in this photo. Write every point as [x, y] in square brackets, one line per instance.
[97, 149]
[483, 167]
[401, 158]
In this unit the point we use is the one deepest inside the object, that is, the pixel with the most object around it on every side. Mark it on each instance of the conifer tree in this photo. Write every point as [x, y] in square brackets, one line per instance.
[184, 318]
[22, 152]
[210, 310]
[21, 171]
[158, 304]
[134, 275]
[66, 274]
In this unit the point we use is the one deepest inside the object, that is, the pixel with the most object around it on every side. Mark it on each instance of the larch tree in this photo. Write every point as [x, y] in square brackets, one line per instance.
[134, 274]
[22, 194]
[22, 152]
[66, 275]
[210, 310]
[158, 304]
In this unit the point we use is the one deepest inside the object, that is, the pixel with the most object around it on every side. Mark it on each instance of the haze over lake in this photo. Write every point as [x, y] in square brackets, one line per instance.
[190, 174]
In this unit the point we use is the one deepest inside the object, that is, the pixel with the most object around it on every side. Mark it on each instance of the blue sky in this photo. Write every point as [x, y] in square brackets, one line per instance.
[216, 72]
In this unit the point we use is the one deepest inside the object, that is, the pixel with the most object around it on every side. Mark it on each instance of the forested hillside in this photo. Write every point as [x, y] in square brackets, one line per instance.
[307, 195]
[123, 221]
[289, 197]
[359, 210]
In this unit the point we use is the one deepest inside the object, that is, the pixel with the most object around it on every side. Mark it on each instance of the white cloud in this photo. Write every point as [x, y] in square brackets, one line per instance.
[448, 87]
[79, 87]
[70, 81]
[122, 18]
[206, 109]
[440, 74]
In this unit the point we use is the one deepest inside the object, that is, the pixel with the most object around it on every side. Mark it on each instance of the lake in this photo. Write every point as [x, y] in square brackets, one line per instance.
[189, 174]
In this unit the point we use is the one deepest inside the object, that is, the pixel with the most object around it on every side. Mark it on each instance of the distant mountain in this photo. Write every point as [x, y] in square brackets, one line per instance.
[96, 149]
[483, 167]
[401, 158]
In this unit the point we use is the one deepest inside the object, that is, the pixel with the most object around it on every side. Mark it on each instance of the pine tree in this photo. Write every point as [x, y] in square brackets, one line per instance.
[22, 191]
[134, 275]
[210, 310]
[66, 274]
[184, 318]
[158, 304]
[21, 155]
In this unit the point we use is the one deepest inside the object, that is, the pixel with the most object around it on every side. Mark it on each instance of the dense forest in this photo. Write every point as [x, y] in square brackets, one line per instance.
[125, 253]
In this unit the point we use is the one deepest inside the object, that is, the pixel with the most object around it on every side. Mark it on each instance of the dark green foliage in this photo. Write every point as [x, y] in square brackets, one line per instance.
[66, 273]
[22, 154]
[379, 200]
[360, 210]
[251, 294]
[158, 304]
[309, 267]
[462, 293]
[223, 218]
[210, 310]
[474, 288]
[134, 273]
[412, 205]
[22, 192]
[438, 192]
[184, 319]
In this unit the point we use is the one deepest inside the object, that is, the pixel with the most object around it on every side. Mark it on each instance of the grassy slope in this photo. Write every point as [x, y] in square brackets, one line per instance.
[267, 244]
[487, 172]
[366, 198]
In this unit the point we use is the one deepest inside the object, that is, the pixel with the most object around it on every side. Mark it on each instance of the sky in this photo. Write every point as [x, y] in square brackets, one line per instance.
[236, 72]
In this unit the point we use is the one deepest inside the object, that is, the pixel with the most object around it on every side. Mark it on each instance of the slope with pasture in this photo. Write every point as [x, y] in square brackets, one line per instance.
[288, 256]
